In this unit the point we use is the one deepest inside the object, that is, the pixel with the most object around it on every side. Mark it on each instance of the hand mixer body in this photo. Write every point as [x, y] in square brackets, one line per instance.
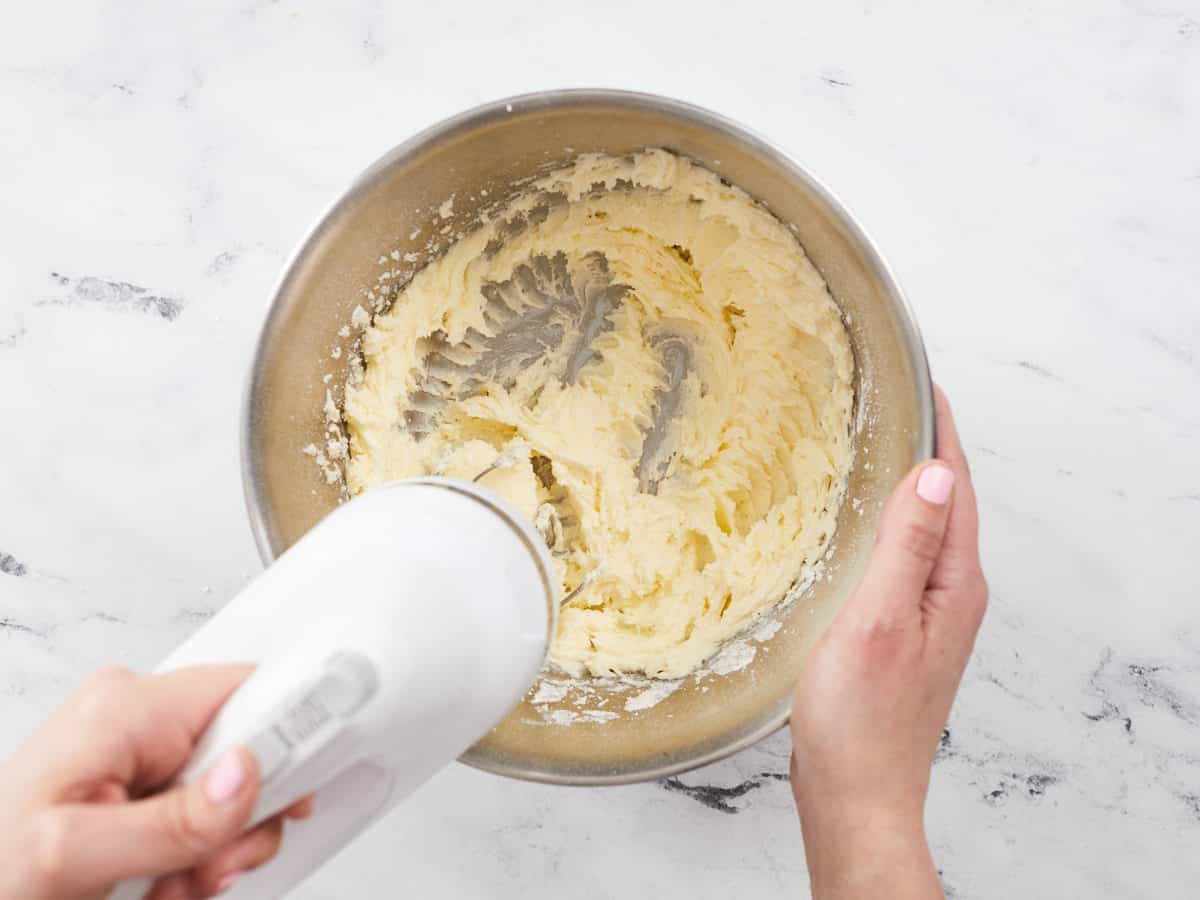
[389, 639]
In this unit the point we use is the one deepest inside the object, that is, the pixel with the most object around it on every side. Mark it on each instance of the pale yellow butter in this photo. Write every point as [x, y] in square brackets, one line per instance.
[754, 467]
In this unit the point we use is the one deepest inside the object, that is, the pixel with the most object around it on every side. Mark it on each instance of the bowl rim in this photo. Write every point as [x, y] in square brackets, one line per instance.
[266, 537]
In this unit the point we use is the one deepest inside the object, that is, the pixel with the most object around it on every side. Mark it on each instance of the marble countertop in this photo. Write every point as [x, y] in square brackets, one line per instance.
[1034, 179]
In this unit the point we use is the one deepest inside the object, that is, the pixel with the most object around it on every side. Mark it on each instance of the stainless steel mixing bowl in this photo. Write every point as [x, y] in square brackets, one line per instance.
[490, 149]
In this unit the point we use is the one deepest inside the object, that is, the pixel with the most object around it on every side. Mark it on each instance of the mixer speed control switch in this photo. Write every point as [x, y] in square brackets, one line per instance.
[316, 713]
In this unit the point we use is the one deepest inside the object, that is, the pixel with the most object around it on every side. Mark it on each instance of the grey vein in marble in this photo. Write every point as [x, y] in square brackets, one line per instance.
[1151, 687]
[222, 261]
[14, 336]
[1003, 773]
[718, 798]
[1037, 369]
[1181, 353]
[8, 624]
[1032, 784]
[10, 565]
[117, 295]
[102, 616]
[194, 615]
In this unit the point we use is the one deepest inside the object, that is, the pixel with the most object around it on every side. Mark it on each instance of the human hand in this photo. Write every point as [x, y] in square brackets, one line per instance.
[877, 688]
[79, 810]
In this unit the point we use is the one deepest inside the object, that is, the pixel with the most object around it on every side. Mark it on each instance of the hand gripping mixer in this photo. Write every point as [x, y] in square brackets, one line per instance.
[388, 639]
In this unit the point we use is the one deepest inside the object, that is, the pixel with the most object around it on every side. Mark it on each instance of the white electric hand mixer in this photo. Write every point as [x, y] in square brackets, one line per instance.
[409, 621]
[389, 639]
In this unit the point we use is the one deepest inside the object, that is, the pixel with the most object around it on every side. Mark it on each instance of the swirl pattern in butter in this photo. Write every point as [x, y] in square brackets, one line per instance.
[667, 379]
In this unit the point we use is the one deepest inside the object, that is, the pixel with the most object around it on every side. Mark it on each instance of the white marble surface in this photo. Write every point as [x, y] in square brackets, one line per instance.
[1034, 178]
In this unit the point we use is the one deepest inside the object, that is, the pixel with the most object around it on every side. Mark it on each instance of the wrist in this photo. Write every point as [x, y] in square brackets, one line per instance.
[860, 806]
[867, 850]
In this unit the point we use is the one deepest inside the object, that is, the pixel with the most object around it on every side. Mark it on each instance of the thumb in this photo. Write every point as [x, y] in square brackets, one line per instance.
[103, 844]
[908, 543]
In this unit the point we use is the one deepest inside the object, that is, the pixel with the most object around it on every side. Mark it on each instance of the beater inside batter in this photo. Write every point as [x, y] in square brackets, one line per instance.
[672, 383]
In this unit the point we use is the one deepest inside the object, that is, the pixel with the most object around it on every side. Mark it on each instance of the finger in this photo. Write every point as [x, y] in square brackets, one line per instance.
[957, 597]
[217, 874]
[172, 887]
[908, 543]
[178, 707]
[252, 849]
[128, 729]
[301, 809]
[179, 886]
[86, 847]
[83, 742]
[960, 559]
[194, 694]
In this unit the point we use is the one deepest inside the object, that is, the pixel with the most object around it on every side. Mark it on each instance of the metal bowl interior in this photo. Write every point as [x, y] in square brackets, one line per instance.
[491, 149]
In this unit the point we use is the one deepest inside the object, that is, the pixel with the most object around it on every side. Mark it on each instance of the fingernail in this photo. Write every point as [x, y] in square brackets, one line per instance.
[227, 880]
[225, 779]
[935, 483]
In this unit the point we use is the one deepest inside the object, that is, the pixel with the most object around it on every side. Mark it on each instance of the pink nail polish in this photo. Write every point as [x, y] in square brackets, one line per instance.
[225, 779]
[227, 880]
[935, 484]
